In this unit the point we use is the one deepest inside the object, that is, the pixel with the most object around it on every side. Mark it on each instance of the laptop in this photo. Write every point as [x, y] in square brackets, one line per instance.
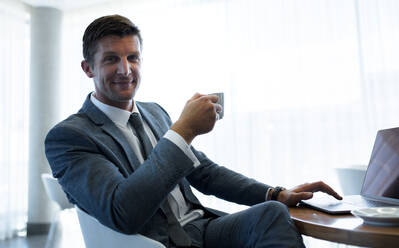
[380, 185]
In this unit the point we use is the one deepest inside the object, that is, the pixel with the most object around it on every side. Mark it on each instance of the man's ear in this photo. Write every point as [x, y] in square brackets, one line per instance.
[86, 68]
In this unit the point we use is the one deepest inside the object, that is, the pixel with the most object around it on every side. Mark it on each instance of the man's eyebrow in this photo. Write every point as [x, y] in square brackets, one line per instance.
[135, 53]
[114, 53]
[109, 53]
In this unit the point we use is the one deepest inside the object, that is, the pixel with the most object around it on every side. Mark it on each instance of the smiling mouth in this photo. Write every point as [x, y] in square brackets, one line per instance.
[124, 82]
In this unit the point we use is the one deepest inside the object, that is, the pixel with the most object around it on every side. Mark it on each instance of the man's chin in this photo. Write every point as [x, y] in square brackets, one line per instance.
[124, 99]
[124, 96]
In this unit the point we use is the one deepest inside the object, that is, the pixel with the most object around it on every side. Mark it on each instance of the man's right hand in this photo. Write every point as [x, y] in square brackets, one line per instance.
[198, 117]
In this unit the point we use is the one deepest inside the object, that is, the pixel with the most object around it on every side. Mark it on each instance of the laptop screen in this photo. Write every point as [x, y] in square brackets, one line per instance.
[382, 178]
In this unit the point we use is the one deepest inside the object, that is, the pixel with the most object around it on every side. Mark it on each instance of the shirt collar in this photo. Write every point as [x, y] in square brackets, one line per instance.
[117, 115]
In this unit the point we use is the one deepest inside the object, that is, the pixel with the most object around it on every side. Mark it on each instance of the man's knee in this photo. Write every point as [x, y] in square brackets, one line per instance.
[274, 227]
[274, 207]
[272, 211]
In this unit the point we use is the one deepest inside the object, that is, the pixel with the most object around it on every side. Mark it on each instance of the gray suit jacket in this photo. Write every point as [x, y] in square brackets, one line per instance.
[99, 172]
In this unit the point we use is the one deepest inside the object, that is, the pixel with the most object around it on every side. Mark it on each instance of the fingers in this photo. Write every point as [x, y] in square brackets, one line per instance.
[317, 186]
[198, 116]
[196, 96]
[303, 196]
[213, 98]
[321, 186]
[291, 198]
[218, 108]
[336, 195]
[327, 189]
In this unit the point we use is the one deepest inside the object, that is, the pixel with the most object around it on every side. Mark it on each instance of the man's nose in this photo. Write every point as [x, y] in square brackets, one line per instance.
[124, 67]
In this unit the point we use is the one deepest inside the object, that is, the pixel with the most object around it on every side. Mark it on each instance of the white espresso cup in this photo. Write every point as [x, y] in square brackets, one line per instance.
[219, 112]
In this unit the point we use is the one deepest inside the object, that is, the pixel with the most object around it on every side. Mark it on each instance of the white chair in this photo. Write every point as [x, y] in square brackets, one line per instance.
[55, 192]
[57, 195]
[96, 235]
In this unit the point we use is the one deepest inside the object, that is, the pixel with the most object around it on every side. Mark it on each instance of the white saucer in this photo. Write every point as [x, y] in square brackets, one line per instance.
[382, 216]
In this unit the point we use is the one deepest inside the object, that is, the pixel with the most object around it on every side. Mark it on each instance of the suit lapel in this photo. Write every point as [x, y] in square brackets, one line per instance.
[101, 120]
[113, 131]
[157, 128]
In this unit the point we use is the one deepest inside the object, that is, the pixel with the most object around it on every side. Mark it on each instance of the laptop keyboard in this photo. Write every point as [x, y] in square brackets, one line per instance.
[366, 202]
[351, 202]
[371, 203]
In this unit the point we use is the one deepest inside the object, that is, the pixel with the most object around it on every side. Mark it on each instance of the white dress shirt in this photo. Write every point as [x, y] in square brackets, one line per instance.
[180, 207]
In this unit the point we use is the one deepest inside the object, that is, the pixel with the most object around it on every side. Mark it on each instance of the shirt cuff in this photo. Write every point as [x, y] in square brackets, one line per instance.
[182, 144]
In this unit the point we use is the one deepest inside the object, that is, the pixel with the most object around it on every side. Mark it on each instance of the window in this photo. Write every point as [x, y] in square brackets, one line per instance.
[14, 119]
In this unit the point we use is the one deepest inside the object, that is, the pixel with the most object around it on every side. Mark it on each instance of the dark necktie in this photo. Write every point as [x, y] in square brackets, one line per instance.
[176, 232]
[137, 123]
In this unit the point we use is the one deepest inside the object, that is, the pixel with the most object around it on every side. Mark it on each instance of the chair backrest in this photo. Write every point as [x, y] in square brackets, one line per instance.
[96, 235]
[55, 192]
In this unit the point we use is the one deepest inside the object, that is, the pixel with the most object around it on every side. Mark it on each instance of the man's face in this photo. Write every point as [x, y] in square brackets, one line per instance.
[116, 70]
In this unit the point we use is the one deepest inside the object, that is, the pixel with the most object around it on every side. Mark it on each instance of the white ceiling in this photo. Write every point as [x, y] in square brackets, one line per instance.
[63, 4]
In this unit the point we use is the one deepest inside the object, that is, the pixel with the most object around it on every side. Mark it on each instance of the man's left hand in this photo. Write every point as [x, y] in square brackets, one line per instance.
[291, 197]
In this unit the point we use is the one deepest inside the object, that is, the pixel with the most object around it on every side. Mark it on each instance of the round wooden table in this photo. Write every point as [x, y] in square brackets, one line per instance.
[345, 229]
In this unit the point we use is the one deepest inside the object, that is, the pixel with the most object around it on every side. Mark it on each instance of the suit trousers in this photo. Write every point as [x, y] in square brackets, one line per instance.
[266, 224]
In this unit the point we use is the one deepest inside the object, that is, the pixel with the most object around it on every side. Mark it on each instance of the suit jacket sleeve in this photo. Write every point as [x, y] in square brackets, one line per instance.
[95, 178]
[212, 179]
[92, 179]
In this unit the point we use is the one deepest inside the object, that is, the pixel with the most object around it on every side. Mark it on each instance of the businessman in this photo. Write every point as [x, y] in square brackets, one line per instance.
[125, 163]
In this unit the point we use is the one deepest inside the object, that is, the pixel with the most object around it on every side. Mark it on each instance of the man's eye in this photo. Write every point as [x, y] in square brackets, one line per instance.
[110, 59]
[134, 58]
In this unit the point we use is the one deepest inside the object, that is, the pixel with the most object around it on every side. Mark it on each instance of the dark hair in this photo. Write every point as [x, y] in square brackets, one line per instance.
[105, 26]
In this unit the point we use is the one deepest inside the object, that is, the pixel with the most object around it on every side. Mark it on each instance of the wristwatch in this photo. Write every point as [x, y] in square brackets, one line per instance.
[276, 191]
